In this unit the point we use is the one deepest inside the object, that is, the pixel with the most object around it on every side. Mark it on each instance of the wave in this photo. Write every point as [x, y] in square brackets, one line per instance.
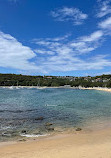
[33, 135]
[50, 105]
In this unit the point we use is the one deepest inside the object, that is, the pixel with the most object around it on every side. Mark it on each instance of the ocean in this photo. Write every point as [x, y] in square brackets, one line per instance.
[35, 112]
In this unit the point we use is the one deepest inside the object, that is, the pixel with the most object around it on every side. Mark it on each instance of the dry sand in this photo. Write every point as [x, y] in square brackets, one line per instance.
[74, 145]
[97, 88]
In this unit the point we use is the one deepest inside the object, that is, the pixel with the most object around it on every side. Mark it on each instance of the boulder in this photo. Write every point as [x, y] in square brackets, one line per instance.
[50, 128]
[78, 129]
[23, 131]
[22, 140]
[48, 124]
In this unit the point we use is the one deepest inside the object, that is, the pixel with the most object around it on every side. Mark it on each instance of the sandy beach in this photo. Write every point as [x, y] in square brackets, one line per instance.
[98, 88]
[79, 145]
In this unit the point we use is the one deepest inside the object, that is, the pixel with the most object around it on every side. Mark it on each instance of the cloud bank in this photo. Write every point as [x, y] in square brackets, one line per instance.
[14, 55]
[65, 55]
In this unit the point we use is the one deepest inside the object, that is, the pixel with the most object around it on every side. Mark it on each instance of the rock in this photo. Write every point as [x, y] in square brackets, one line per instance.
[39, 118]
[50, 128]
[23, 131]
[48, 124]
[22, 140]
[78, 129]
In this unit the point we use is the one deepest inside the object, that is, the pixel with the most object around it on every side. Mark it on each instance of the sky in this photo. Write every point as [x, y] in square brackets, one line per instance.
[61, 37]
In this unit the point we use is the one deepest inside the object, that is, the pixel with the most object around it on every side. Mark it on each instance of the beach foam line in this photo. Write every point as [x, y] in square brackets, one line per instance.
[33, 135]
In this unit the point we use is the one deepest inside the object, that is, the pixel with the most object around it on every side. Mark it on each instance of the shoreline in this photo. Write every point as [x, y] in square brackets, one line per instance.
[65, 87]
[97, 88]
[66, 145]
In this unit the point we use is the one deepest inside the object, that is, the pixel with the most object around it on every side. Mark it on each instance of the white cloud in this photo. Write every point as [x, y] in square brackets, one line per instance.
[56, 54]
[69, 14]
[14, 55]
[66, 55]
[69, 63]
[43, 51]
[80, 45]
[104, 9]
[95, 36]
[106, 24]
[88, 43]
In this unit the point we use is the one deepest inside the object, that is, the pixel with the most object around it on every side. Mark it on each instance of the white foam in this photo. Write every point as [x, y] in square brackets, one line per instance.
[33, 135]
[50, 105]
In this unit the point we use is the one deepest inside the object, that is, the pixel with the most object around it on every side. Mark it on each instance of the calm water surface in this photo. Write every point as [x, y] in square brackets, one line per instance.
[65, 108]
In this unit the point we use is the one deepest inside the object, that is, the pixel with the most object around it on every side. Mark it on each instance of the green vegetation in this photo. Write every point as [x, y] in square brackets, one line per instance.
[54, 81]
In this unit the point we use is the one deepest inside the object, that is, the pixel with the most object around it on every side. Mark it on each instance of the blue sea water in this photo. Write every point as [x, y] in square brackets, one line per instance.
[64, 108]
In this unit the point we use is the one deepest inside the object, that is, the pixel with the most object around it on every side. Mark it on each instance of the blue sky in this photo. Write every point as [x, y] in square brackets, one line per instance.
[62, 37]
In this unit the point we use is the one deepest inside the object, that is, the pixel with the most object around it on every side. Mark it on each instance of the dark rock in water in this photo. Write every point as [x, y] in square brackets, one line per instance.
[78, 129]
[22, 140]
[39, 118]
[23, 131]
[48, 124]
[50, 128]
